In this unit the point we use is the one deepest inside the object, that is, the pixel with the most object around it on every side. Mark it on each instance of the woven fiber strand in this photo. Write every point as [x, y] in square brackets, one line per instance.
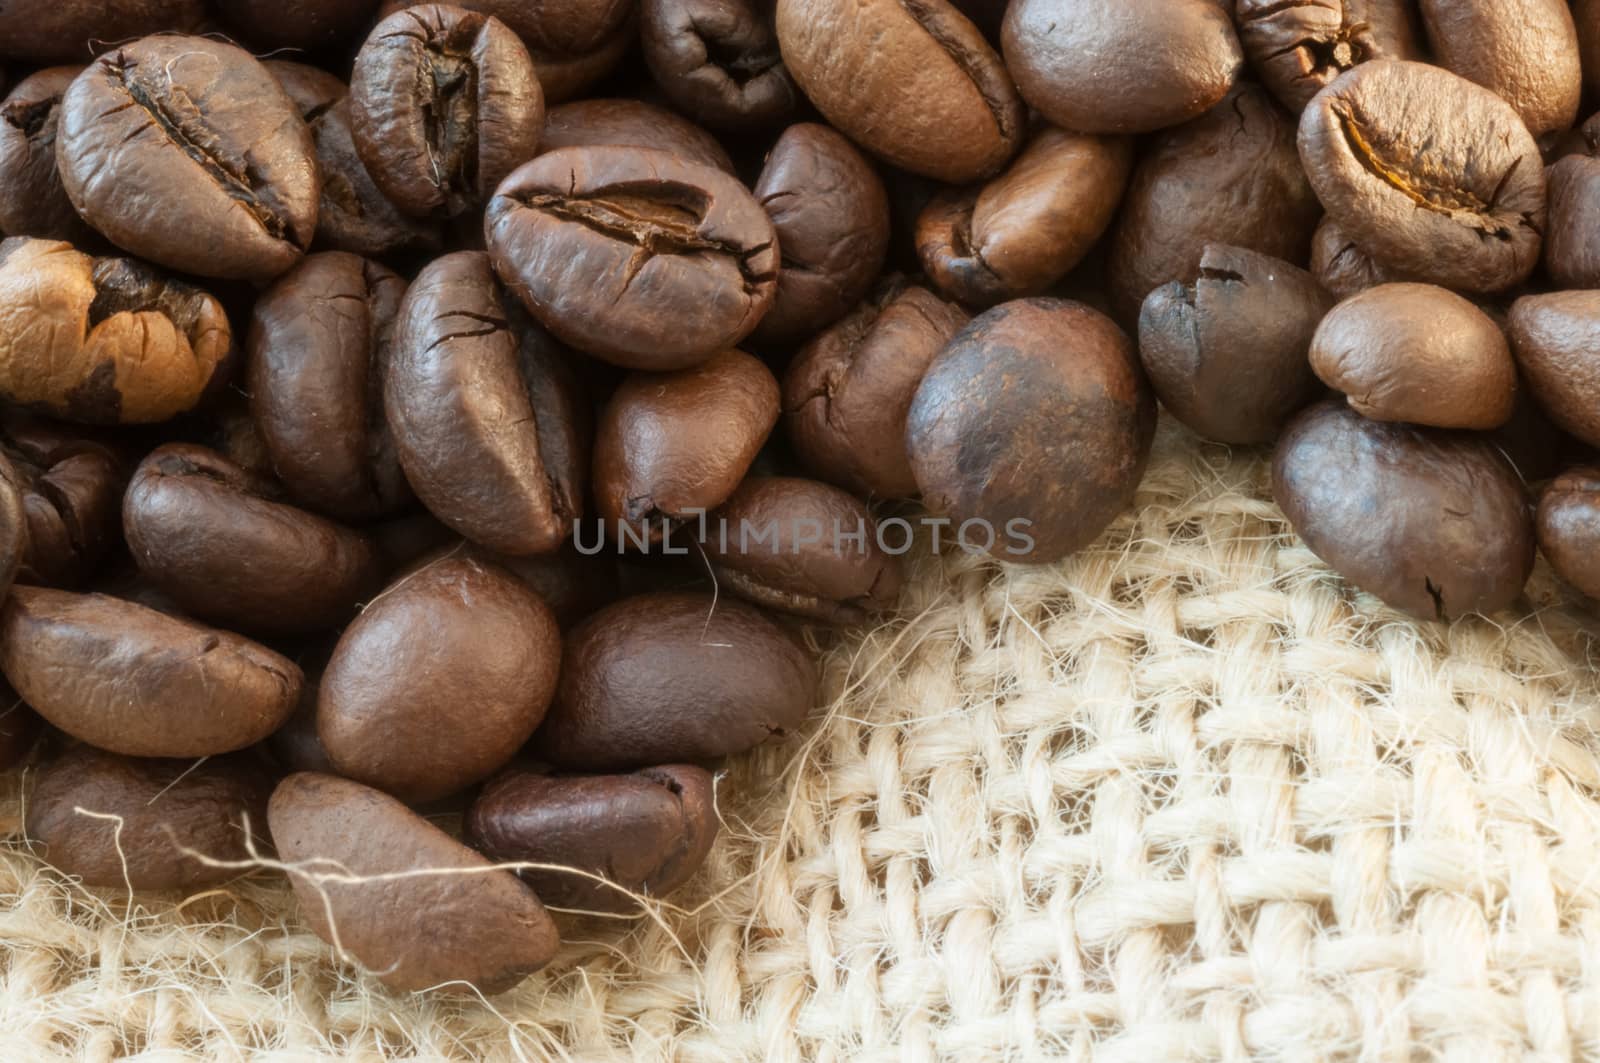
[1182, 796]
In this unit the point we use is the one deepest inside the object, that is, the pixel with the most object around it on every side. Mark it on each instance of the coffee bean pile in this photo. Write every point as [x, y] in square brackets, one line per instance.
[484, 412]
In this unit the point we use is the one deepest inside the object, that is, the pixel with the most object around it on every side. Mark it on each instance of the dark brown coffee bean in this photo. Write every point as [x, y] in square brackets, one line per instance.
[647, 832]
[674, 677]
[185, 151]
[915, 84]
[831, 214]
[848, 392]
[1298, 49]
[443, 104]
[1524, 51]
[71, 491]
[489, 422]
[1417, 353]
[311, 25]
[1569, 528]
[630, 124]
[1434, 523]
[1556, 339]
[717, 61]
[132, 680]
[1127, 67]
[634, 256]
[1227, 354]
[319, 347]
[111, 820]
[1026, 229]
[1231, 176]
[32, 201]
[103, 340]
[1434, 176]
[1343, 268]
[1572, 244]
[670, 446]
[73, 30]
[364, 866]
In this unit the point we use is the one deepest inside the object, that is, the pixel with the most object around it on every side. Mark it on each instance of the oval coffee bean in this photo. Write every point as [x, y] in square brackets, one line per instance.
[1343, 268]
[228, 548]
[674, 677]
[1454, 537]
[1569, 528]
[185, 151]
[319, 348]
[440, 680]
[1556, 339]
[1435, 176]
[915, 84]
[634, 256]
[717, 61]
[1572, 244]
[1227, 354]
[1299, 49]
[131, 680]
[648, 831]
[71, 490]
[1127, 67]
[489, 930]
[489, 424]
[1417, 353]
[444, 103]
[32, 201]
[1034, 424]
[216, 807]
[630, 124]
[1524, 51]
[308, 25]
[68, 30]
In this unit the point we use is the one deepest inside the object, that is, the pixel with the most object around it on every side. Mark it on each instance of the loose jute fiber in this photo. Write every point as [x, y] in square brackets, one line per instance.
[1182, 796]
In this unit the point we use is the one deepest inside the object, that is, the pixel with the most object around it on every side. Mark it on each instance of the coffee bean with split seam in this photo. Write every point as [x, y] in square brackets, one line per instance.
[1298, 49]
[718, 61]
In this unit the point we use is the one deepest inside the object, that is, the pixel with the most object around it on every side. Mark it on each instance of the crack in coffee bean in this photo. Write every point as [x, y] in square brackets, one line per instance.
[31, 118]
[980, 74]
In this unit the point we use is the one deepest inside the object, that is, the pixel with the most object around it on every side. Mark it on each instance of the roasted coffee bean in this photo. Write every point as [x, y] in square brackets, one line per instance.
[1434, 523]
[630, 124]
[647, 832]
[718, 61]
[1556, 339]
[227, 546]
[443, 104]
[1127, 67]
[319, 346]
[1569, 528]
[1343, 268]
[32, 201]
[674, 677]
[670, 446]
[216, 807]
[71, 489]
[72, 30]
[1434, 176]
[848, 392]
[364, 867]
[634, 256]
[489, 423]
[1417, 353]
[1026, 229]
[916, 85]
[1298, 49]
[1231, 177]
[185, 151]
[132, 680]
[1525, 51]
[1572, 245]
[1227, 354]
[103, 340]
[310, 25]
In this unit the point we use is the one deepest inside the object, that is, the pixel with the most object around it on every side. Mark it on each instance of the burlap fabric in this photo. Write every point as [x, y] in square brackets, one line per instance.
[1183, 796]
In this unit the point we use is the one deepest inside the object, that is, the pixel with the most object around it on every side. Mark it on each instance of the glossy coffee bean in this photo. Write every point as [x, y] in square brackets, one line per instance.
[1417, 353]
[1027, 228]
[488, 421]
[634, 256]
[1299, 49]
[71, 490]
[1572, 244]
[1524, 51]
[648, 832]
[1342, 267]
[1556, 340]
[671, 677]
[1455, 535]
[717, 61]
[444, 103]
[1227, 354]
[103, 340]
[489, 930]
[215, 807]
[186, 152]
[131, 680]
[32, 201]
[1127, 67]
[630, 124]
[310, 25]
[917, 86]
[848, 392]
[319, 349]
[1436, 177]
[1569, 528]
[72, 30]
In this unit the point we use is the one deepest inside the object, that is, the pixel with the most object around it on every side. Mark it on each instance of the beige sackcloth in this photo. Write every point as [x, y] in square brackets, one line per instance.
[1183, 796]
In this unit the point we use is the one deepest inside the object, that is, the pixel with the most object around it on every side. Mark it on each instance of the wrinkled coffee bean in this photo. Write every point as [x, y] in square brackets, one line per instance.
[1227, 354]
[72, 30]
[1033, 427]
[489, 931]
[310, 25]
[71, 489]
[718, 61]
[1572, 244]
[32, 201]
[1417, 353]
[1434, 523]
[1524, 51]
[648, 832]
[1556, 339]
[1343, 268]
[1298, 49]
[215, 807]
[634, 256]
[1569, 528]
[630, 124]
[131, 680]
